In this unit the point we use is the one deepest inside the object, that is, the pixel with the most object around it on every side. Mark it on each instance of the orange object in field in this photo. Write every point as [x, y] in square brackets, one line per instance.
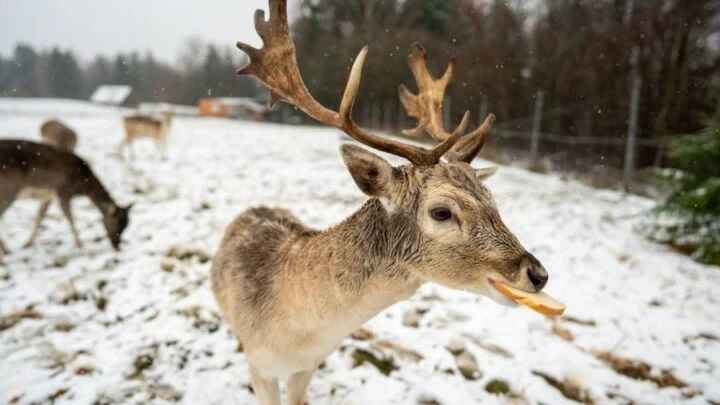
[213, 107]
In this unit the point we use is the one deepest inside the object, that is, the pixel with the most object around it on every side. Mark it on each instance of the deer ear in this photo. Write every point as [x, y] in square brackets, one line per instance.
[371, 173]
[485, 173]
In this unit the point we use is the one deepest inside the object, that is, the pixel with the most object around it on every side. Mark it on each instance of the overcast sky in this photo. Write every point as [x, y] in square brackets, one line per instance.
[90, 27]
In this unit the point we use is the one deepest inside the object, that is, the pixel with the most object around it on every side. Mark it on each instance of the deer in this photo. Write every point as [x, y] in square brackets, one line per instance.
[31, 165]
[55, 133]
[291, 294]
[142, 126]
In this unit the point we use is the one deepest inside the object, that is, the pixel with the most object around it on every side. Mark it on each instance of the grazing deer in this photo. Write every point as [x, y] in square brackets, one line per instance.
[25, 164]
[56, 133]
[139, 126]
[62, 137]
[291, 293]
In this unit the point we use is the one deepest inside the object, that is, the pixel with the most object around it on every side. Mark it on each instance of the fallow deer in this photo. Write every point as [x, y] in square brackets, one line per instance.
[59, 135]
[143, 126]
[25, 164]
[291, 293]
[56, 133]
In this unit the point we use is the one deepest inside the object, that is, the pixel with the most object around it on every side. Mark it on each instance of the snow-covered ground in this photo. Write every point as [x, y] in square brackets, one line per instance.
[140, 326]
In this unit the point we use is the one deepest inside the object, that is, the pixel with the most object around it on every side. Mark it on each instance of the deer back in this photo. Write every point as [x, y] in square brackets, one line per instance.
[55, 133]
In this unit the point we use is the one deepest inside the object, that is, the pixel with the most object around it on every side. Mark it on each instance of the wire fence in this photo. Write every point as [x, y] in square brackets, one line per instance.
[603, 160]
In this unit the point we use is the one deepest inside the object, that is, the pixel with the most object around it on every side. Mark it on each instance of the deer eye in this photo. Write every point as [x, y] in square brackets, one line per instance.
[441, 214]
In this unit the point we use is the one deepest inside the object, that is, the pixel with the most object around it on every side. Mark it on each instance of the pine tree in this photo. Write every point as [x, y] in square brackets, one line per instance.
[690, 217]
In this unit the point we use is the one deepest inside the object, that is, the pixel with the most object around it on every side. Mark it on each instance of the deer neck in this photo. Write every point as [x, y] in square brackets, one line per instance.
[100, 197]
[356, 269]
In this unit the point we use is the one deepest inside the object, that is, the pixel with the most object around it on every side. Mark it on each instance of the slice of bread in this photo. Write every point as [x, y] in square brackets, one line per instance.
[540, 302]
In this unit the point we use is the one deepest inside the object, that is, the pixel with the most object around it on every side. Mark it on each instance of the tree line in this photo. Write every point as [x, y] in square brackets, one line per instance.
[202, 70]
[578, 52]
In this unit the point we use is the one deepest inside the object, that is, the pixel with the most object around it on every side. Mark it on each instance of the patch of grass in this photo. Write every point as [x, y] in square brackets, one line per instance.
[141, 363]
[498, 387]
[203, 319]
[385, 365]
[187, 253]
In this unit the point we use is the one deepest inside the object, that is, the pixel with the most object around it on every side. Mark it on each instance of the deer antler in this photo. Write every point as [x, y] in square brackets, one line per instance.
[427, 108]
[427, 105]
[276, 66]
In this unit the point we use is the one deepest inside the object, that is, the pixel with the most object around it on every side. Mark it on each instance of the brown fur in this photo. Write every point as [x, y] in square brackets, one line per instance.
[38, 166]
[55, 133]
[292, 293]
[62, 137]
[142, 126]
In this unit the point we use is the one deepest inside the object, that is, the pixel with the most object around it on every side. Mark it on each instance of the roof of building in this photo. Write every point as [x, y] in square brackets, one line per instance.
[111, 94]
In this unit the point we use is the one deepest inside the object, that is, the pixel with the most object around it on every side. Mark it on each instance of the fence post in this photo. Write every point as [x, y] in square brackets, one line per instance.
[365, 114]
[375, 116]
[483, 109]
[401, 118]
[537, 124]
[632, 122]
[388, 115]
[284, 113]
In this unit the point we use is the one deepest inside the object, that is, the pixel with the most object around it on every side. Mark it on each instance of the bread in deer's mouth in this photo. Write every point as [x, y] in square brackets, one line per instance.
[539, 302]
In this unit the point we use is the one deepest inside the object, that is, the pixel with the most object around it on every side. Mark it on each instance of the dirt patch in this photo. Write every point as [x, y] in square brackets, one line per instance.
[9, 321]
[568, 388]
[639, 370]
[202, 319]
[183, 253]
[562, 333]
[583, 322]
[363, 334]
[701, 336]
[402, 352]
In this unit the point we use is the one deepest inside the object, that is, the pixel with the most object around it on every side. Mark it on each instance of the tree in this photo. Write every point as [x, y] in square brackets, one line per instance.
[64, 75]
[690, 217]
[22, 70]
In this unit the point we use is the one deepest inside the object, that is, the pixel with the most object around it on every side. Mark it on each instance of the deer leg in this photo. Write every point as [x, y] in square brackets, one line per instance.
[7, 197]
[266, 391]
[66, 209]
[42, 212]
[121, 148]
[297, 387]
[131, 148]
[162, 147]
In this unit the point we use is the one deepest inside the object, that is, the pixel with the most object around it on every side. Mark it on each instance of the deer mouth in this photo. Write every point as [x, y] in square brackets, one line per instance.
[539, 301]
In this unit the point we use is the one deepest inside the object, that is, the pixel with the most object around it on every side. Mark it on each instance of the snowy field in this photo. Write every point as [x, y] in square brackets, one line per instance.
[140, 326]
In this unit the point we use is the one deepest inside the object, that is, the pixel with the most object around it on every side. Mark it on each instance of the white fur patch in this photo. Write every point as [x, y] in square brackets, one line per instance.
[388, 205]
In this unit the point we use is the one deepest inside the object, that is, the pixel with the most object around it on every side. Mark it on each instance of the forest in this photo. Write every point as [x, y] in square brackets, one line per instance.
[578, 53]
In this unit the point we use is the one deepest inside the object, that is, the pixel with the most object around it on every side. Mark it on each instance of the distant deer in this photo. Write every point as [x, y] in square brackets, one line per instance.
[30, 165]
[143, 126]
[291, 293]
[57, 134]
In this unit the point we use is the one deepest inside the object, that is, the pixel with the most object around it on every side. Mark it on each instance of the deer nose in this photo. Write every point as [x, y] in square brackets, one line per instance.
[535, 271]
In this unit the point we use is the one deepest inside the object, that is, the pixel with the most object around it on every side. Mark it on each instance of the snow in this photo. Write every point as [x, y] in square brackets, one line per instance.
[141, 325]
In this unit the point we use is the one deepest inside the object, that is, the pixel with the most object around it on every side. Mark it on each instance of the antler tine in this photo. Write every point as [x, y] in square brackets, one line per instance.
[471, 144]
[275, 65]
[427, 105]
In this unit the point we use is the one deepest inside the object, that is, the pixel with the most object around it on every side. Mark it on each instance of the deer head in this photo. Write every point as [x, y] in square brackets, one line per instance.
[116, 220]
[459, 238]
